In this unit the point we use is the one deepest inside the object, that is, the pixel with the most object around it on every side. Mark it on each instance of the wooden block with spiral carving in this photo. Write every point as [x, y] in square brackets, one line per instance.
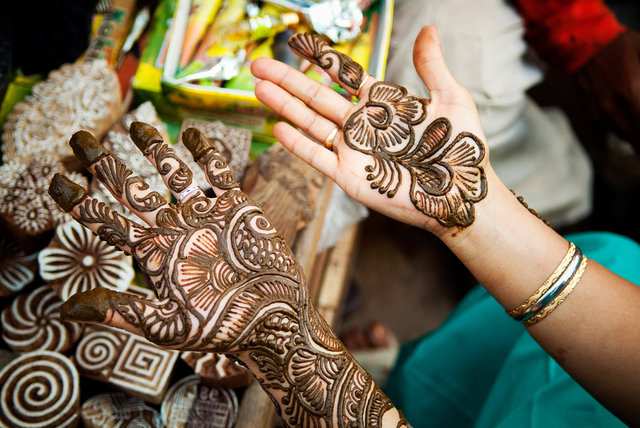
[126, 361]
[83, 95]
[39, 389]
[32, 323]
[118, 410]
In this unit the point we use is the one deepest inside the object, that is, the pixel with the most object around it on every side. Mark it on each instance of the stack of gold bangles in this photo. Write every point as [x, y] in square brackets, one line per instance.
[554, 290]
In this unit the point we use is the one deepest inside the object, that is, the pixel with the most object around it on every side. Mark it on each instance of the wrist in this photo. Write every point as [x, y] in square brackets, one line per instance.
[507, 248]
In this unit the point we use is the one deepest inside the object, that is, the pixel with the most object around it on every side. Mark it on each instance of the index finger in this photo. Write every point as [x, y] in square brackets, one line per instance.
[342, 69]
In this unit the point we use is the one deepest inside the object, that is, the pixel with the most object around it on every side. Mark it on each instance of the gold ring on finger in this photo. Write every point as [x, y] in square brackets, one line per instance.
[328, 142]
[362, 85]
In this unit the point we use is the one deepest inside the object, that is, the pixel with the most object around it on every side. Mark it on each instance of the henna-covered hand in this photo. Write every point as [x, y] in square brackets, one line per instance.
[419, 160]
[225, 281]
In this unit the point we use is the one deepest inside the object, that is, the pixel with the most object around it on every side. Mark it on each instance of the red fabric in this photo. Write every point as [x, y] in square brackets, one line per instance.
[568, 33]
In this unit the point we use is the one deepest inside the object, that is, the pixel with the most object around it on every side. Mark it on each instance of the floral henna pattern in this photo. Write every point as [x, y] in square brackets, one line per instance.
[318, 51]
[446, 179]
[227, 282]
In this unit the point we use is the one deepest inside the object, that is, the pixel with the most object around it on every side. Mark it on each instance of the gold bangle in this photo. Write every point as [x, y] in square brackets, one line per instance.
[526, 307]
[544, 312]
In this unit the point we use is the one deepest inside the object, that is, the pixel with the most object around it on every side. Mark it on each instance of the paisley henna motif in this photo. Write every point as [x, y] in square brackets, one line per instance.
[318, 51]
[225, 281]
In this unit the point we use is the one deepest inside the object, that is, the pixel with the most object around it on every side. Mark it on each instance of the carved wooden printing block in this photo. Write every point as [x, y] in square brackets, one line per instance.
[118, 410]
[126, 361]
[26, 209]
[76, 96]
[190, 403]
[39, 389]
[17, 269]
[32, 322]
[76, 260]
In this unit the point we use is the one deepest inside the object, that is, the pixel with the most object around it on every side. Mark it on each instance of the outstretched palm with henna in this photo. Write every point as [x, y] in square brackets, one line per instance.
[397, 153]
[208, 258]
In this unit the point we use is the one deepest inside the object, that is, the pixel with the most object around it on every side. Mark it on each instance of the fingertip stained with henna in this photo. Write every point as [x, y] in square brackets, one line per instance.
[196, 142]
[65, 192]
[86, 148]
[144, 135]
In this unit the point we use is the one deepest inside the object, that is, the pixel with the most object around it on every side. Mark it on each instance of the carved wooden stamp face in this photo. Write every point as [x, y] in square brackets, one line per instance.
[125, 361]
[17, 269]
[116, 410]
[25, 204]
[32, 323]
[83, 95]
[77, 261]
[39, 389]
[191, 403]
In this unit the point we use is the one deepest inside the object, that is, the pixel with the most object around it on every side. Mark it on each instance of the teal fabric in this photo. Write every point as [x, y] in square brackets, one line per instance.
[481, 369]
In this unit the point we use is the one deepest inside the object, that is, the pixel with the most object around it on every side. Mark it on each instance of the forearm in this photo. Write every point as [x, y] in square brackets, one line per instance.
[594, 334]
[310, 375]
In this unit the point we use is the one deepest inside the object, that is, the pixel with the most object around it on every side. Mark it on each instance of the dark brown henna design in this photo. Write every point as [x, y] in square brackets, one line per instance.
[314, 48]
[531, 210]
[446, 179]
[150, 142]
[114, 175]
[214, 164]
[226, 281]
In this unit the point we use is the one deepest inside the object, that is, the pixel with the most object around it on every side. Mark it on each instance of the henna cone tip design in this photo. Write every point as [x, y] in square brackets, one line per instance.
[196, 142]
[143, 135]
[65, 192]
[87, 148]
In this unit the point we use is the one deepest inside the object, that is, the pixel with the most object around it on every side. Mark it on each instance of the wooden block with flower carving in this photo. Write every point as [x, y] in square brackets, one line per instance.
[76, 260]
[83, 95]
[27, 212]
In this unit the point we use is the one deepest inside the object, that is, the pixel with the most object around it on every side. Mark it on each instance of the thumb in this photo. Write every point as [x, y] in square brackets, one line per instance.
[103, 306]
[429, 61]
[165, 323]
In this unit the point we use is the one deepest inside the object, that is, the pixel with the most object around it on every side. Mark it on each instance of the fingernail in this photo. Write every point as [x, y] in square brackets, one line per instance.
[196, 142]
[143, 135]
[65, 192]
[87, 148]
[89, 306]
